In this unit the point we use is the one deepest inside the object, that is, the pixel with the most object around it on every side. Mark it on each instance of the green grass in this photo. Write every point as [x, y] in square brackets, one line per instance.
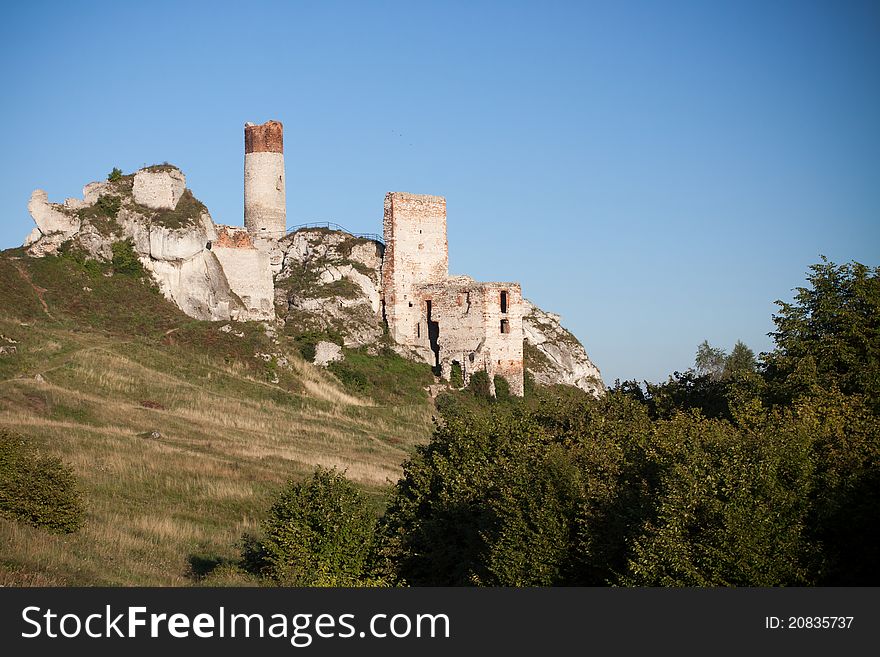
[119, 362]
[386, 378]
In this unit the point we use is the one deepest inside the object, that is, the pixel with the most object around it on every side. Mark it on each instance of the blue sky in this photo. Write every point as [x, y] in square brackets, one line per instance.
[657, 172]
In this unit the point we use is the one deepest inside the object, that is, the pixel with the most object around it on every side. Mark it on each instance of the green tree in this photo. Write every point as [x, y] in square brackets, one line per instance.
[829, 335]
[125, 260]
[710, 360]
[740, 361]
[115, 174]
[318, 533]
[522, 497]
[732, 505]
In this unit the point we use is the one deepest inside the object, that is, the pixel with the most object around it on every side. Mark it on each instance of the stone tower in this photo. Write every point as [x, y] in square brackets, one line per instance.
[265, 210]
[416, 253]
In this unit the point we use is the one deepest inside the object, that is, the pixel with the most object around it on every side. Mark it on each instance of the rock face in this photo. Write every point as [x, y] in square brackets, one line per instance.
[554, 355]
[49, 217]
[170, 230]
[325, 353]
[330, 282]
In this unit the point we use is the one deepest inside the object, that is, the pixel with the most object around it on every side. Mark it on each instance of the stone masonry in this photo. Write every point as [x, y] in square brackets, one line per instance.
[265, 211]
[416, 253]
[446, 320]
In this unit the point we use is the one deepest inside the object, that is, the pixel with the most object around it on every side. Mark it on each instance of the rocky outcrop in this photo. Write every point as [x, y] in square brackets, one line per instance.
[50, 217]
[554, 355]
[326, 353]
[330, 282]
[170, 230]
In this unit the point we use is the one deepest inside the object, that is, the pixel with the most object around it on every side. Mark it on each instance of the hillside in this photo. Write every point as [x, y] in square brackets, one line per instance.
[178, 430]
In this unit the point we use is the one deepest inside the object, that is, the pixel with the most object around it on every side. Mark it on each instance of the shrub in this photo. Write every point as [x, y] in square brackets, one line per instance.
[502, 388]
[318, 533]
[37, 489]
[479, 384]
[125, 260]
[456, 379]
[115, 174]
[108, 205]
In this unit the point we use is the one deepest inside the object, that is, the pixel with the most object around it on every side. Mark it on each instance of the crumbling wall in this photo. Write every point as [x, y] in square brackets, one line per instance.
[477, 325]
[416, 253]
[158, 190]
[247, 271]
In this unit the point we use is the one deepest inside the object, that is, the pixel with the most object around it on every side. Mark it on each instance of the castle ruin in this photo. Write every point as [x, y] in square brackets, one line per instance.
[223, 272]
[447, 320]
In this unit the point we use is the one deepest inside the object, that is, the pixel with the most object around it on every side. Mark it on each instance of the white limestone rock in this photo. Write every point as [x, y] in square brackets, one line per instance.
[159, 190]
[198, 286]
[93, 191]
[32, 237]
[175, 244]
[326, 353]
[558, 357]
[315, 262]
[49, 217]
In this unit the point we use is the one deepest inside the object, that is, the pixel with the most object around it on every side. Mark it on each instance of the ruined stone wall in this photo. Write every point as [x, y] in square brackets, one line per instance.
[265, 209]
[469, 329]
[247, 270]
[416, 253]
[159, 190]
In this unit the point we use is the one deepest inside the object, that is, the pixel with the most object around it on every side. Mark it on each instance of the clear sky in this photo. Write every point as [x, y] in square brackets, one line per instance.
[656, 172]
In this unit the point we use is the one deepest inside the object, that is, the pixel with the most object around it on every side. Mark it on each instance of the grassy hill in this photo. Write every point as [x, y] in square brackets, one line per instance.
[179, 432]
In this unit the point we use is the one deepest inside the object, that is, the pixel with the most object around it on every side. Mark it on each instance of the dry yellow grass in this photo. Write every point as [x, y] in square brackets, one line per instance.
[228, 441]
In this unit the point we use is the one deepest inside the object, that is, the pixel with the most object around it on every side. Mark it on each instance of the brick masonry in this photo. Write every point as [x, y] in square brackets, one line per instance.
[446, 320]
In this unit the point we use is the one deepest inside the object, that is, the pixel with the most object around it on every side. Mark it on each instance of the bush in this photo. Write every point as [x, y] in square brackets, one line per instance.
[502, 388]
[318, 533]
[479, 384]
[125, 260]
[108, 205]
[38, 489]
[115, 174]
[456, 378]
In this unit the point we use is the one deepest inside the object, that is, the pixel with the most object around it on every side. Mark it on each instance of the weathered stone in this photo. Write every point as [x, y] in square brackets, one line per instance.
[94, 190]
[476, 325]
[416, 253]
[326, 257]
[158, 190]
[560, 357]
[265, 211]
[49, 217]
[32, 237]
[175, 244]
[327, 352]
[445, 320]
[249, 277]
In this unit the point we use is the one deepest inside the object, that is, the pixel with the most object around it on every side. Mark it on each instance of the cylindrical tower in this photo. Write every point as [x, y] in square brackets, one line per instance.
[265, 209]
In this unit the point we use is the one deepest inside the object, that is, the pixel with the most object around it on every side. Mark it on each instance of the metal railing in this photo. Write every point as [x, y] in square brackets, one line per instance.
[331, 226]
